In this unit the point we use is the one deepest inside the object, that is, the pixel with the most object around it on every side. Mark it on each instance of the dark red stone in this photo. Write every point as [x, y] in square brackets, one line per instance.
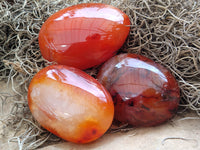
[144, 92]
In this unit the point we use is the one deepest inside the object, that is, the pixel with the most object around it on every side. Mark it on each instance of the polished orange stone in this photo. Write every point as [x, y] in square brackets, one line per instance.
[83, 35]
[144, 92]
[70, 103]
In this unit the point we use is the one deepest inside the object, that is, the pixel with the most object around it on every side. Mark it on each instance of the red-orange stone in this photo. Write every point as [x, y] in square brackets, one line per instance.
[83, 35]
[144, 92]
[70, 103]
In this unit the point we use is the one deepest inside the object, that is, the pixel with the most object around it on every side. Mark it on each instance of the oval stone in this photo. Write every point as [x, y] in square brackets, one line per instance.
[144, 92]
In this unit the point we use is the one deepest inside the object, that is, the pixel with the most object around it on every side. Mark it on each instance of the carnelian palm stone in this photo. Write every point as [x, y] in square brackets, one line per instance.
[70, 103]
[83, 35]
[144, 92]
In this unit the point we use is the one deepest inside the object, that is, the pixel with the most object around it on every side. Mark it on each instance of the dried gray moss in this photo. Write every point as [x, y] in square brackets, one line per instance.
[167, 31]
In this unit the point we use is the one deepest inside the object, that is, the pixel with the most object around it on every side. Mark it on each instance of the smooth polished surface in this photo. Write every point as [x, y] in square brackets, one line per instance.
[144, 92]
[83, 35]
[70, 103]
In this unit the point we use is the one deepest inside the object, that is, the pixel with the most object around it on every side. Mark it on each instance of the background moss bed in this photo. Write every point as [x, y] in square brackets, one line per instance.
[167, 31]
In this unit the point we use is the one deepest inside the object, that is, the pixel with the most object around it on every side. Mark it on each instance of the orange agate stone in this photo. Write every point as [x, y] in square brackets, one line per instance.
[144, 92]
[83, 35]
[70, 103]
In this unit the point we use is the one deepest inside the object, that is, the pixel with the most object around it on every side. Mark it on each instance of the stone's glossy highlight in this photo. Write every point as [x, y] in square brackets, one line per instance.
[144, 92]
[70, 103]
[83, 35]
